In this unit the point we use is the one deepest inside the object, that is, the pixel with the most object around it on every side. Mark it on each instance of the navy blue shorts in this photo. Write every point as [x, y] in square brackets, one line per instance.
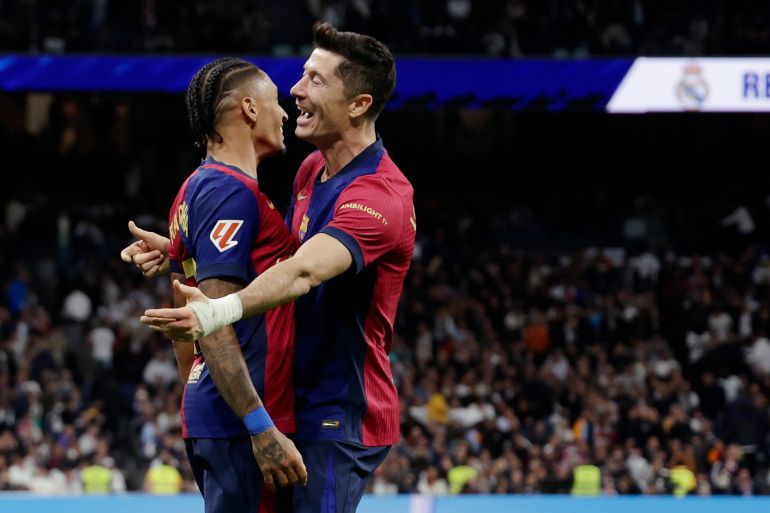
[228, 475]
[337, 477]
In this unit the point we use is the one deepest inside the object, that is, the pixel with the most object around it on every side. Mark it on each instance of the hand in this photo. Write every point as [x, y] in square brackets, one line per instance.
[278, 459]
[178, 324]
[149, 253]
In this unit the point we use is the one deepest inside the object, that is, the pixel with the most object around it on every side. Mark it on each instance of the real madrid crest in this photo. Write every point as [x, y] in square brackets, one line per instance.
[692, 90]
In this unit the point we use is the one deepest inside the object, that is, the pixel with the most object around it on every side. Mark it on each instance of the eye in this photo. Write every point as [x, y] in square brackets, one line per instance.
[316, 79]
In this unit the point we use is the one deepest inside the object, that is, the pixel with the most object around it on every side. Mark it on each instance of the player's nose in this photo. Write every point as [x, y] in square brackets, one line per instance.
[297, 89]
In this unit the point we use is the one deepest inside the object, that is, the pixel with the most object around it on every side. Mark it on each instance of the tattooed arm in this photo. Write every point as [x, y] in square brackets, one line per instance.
[223, 356]
[278, 459]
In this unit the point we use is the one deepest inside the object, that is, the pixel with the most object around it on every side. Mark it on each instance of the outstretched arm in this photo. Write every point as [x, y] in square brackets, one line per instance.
[319, 259]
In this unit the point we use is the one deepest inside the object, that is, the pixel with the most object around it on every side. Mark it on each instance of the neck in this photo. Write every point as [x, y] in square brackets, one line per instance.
[339, 153]
[232, 153]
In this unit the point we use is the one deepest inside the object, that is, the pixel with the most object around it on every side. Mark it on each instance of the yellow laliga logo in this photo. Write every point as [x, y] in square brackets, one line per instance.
[368, 210]
[179, 221]
[190, 268]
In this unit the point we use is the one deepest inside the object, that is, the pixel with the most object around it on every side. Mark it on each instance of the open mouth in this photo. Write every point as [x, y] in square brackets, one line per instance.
[304, 116]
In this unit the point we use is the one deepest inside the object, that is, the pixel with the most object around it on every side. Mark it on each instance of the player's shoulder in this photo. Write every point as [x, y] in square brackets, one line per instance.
[222, 181]
[390, 171]
[386, 179]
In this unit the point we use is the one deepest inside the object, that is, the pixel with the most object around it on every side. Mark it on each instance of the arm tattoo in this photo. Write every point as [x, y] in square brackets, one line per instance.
[228, 370]
[223, 356]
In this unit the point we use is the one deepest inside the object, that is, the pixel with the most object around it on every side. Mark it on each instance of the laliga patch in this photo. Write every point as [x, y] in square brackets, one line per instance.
[223, 233]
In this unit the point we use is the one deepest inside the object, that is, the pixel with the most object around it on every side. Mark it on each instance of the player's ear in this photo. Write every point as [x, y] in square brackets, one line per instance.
[249, 109]
[359, 105]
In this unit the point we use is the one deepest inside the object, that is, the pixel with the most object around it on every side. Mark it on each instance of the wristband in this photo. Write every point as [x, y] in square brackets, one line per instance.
[258, 421]
[217, 313]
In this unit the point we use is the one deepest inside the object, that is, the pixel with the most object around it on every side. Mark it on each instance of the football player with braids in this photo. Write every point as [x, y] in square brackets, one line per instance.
[223, 233]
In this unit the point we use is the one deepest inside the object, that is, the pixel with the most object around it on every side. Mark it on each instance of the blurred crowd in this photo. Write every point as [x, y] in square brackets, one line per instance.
[506, 28]
[517, 367]
[93, 390]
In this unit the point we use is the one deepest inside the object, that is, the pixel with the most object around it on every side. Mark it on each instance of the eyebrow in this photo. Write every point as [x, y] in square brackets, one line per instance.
[313, 70]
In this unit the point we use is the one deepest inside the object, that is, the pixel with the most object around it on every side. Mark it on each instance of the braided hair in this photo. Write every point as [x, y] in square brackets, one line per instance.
[208, 90]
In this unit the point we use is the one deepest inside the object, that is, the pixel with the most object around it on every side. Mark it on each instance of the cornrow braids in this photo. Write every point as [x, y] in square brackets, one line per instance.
[193, 101]
[205, 93]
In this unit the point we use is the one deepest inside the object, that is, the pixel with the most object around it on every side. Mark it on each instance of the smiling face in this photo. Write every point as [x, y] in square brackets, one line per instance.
[320, 97]
[268, 127]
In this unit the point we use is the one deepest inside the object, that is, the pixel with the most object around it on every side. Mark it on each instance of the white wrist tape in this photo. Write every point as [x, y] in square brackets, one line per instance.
[217, 313]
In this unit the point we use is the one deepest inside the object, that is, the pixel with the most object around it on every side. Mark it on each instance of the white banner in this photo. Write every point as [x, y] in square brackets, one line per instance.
[698, 85]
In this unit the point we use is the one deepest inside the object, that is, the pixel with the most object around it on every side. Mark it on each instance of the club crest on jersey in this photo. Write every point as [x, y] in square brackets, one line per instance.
[303, 227]
[223, 233]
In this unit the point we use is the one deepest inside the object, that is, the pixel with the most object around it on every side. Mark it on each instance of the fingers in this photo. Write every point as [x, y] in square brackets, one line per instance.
[160, 322]
[281, 478]
[176, 323]
[138, 232]
[180, 330]
[269, 481]
[125, 254]
[301, 472]
[149, 257]
[190, 293]
[172, 331]
[129, 251]
[174, 314]
[291, 475]
[150, 263]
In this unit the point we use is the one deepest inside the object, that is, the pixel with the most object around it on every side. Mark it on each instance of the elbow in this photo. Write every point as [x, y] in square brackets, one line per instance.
[309, 282]
[308, 278]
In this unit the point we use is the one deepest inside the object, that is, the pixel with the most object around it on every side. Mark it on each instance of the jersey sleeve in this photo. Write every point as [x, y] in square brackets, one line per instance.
[175, 248]
[368, 220]
[174, 253]
[173, 261]
[224, 218]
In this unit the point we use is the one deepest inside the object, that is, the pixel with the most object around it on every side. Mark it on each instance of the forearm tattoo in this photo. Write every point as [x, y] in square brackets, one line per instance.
[223, 356]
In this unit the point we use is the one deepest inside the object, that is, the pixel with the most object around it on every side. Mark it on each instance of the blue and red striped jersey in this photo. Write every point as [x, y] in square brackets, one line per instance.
[222, 226]
[343, 381]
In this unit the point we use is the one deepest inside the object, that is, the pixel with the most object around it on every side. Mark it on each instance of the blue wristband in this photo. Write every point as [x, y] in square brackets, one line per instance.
[258, 421]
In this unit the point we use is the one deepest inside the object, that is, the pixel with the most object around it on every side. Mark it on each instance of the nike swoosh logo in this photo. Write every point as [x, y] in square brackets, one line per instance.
[301, 197]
